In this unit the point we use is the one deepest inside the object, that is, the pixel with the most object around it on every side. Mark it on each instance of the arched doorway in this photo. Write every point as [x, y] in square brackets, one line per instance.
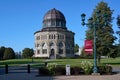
[52, 54]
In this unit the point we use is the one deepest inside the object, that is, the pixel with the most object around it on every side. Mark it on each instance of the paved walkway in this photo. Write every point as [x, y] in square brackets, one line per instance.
[33, 76]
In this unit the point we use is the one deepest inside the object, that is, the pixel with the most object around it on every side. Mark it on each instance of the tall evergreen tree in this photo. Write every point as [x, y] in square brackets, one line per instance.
[76, 48]
[104, 31]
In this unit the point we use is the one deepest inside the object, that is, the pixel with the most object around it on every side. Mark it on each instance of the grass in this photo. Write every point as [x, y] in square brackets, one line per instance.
[73, 62]
[15, 62]
[113, 62]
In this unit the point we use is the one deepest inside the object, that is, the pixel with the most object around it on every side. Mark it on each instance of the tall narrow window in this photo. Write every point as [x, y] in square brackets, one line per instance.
[44, 48]
[60, 48]
[54, 36]
[58, 36]
[38, 51]
[44, 51]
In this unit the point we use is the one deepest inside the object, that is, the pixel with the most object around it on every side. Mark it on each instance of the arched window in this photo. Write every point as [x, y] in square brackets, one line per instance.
[49, 24]
[38, 38]
[38, 51]
[43, 44]
[53, 23]
[44, 48]
[60, 45]
[38, 45]
[52, 45]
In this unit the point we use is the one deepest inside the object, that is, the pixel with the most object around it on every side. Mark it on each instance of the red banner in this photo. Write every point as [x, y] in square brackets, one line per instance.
[88, 47]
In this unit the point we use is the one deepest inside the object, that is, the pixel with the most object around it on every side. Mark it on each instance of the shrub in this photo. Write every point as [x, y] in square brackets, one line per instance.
[76, 70]
[43, 71]
[59, 70]
[86, 66]
[51, 67]
[106, 69]
[101, 69]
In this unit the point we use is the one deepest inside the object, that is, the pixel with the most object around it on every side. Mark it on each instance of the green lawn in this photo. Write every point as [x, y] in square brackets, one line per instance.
[114, 62]
[73, 62]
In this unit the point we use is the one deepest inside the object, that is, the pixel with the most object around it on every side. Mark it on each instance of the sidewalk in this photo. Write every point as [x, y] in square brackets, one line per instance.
[32, 76]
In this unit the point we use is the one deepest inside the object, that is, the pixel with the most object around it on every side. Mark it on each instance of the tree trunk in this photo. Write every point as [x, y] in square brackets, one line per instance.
[99, 58]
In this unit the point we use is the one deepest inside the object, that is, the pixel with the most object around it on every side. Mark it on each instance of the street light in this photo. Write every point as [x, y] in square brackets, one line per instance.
[93, 23]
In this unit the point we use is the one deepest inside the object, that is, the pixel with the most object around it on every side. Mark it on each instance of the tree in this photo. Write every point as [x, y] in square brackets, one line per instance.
[104, 31]
[2, 50]
[118, 21]
[76, 48]
[113, 52]
[9, 53]
[118, 32]
[27, 53]
[18, 55]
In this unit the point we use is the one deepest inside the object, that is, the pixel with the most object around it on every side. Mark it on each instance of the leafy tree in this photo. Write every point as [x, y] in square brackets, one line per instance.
[9, 53]
[76, 48]
[104, 31]
[118, 21]
[113, 52]
[2, 50]
[18, 55]
[118, 32]
[27, 53]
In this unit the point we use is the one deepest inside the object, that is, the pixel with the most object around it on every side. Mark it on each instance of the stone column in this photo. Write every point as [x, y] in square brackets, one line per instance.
[56, 50]
[48, 51]
[64, 51]
[40, 50]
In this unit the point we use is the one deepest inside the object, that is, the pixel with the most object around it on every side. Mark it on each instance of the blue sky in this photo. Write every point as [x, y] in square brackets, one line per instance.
[19, 19]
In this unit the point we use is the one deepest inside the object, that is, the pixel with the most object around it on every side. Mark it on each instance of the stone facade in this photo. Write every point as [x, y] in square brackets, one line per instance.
[54, 40]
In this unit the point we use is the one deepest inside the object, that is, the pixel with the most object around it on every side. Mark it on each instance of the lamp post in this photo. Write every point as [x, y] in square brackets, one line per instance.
[93, 23]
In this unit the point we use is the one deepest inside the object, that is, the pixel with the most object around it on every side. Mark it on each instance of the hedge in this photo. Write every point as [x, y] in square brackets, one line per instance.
[58, 70]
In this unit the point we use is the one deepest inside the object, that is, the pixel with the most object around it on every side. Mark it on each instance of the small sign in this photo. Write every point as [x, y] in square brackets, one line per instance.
[67, 70]
[88, 47]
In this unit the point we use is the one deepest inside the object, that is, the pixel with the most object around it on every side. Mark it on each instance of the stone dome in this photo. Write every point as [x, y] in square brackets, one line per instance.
[54, 18]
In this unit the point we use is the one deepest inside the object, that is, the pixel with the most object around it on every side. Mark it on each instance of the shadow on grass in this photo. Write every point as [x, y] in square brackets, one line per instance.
[112, 63]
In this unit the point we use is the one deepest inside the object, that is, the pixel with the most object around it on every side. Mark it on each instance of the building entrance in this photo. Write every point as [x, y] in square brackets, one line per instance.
[52, 54]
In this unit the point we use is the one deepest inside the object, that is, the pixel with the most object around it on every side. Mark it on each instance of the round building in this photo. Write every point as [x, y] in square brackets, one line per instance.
[54, 40]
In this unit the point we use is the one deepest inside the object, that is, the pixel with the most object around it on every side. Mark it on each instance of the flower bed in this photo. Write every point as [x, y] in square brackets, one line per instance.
[86, 68]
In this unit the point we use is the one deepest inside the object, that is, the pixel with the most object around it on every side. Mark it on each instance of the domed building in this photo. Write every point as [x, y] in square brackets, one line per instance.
[54, 40]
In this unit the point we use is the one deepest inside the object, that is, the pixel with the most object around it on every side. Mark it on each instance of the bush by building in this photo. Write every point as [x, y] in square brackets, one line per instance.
[60, 70]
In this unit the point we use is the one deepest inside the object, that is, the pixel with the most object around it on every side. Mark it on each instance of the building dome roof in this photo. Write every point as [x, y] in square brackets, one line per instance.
[54, 18]
[54, 14]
